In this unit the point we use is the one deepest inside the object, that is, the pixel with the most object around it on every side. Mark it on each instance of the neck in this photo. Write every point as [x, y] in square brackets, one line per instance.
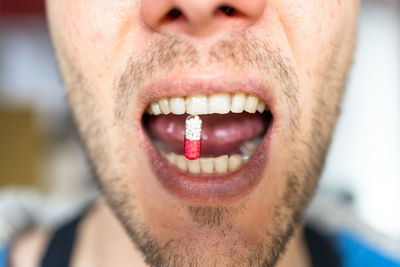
[102, 241]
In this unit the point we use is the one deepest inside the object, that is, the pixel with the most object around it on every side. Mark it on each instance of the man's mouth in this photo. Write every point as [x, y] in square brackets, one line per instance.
[233, 127]
[238, 121]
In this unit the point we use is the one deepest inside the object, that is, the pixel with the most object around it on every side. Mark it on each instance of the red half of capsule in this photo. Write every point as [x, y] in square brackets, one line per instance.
[192, 148]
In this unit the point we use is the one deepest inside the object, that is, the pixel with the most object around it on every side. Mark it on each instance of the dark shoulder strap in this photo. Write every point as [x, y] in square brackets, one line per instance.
[60, 247]
[321, 248]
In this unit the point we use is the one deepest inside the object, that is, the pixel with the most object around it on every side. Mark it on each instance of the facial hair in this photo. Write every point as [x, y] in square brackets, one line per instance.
[242, 50]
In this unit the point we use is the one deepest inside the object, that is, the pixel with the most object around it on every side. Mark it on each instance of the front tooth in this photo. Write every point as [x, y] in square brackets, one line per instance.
[221, 164]
[207, 165]
[181, 162]
[251, 104]
[235, 161]
[155, 108]
[164, 105]
[177, 105]
[261, 106]
[238, 101]
[194, 166]
[219, 103]
[197, 104]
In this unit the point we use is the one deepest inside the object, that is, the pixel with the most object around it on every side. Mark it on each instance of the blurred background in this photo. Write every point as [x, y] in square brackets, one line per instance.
[43, 169]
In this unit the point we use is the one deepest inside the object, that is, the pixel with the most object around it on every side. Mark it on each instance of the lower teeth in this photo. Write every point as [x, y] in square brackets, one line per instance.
[209, 165]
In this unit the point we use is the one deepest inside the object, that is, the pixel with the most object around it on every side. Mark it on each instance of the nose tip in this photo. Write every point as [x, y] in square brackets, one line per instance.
[200, 17]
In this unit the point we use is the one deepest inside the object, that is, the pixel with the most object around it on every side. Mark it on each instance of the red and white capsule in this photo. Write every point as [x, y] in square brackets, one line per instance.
[192, 146]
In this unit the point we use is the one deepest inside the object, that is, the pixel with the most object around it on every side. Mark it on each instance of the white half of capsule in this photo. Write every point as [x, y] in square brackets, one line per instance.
[193, 127]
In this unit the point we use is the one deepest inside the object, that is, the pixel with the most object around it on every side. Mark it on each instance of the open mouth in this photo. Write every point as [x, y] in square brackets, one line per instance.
[232, 129]
[233, 126]
[237, 129]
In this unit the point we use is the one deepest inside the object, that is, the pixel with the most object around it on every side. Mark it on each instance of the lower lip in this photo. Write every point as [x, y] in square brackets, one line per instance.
[210, 188]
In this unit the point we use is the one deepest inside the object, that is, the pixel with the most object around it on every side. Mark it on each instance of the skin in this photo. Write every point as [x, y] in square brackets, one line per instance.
[99, 45]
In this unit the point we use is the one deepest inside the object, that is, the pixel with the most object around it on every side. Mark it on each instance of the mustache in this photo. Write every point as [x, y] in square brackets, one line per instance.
[241, 50]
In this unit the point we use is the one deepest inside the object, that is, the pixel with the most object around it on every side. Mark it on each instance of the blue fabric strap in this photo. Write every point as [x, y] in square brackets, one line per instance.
[4, 252]
[356, 252]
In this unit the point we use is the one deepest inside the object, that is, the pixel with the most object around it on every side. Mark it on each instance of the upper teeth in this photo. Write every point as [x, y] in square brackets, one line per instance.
[203, 104]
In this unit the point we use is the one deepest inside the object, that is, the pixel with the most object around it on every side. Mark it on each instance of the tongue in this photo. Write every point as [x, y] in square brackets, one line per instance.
[221, 134]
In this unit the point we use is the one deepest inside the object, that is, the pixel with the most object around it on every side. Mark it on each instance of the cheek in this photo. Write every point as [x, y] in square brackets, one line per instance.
[94, 31]
[314, 30]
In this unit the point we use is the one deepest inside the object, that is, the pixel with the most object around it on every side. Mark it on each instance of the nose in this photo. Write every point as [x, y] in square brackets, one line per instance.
[200, 17]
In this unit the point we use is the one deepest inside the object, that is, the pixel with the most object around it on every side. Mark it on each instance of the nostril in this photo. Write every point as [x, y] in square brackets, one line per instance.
[200, 17]
[174, 13]
[227, 10]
